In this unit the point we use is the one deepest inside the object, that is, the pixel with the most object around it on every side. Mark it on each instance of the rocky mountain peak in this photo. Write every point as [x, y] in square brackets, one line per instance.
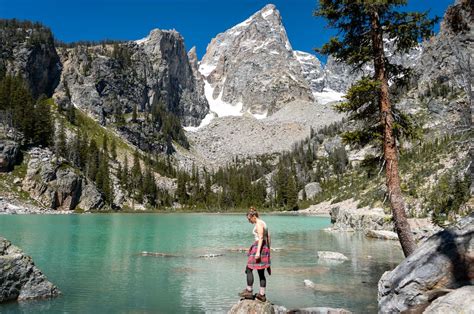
[251, 67]
[193, 59]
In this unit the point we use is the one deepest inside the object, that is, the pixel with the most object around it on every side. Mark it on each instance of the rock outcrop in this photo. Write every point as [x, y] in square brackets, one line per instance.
[443, 262]
[10, 142]
[381, 234]
[251, 306]
[138, 86]
[57, 185]
[20, 279]
[252, 66]
[312, 70]
[9, 154]
[458, 301]
[446, 56]
[310, 190]
[111, 79]
[360, 219]
[27, 49]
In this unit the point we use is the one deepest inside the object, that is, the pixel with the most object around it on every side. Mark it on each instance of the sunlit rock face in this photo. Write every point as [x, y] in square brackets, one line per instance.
[252, 67]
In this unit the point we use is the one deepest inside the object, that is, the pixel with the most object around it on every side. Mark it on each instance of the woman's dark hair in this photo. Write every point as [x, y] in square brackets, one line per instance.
[252, 212]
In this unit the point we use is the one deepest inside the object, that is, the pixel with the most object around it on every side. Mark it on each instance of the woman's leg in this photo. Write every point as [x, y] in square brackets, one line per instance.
[249, 273]
[263, 281]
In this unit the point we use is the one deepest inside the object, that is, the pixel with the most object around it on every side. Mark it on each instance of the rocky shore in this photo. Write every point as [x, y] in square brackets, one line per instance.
[441, 265]
[20, 279]
[16, 207]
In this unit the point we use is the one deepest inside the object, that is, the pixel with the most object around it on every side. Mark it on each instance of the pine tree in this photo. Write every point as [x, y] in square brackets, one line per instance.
[292, 194]
[134, 113]
[363, 26]
[92, 160]
[124, 181]
[136, 178]
[43, 125]
[113, 149]
[71, 114]
[181, 191]
[61, 144]
[105, 146]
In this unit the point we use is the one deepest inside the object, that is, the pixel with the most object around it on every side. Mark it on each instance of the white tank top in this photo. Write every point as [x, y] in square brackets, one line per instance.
[265, 231]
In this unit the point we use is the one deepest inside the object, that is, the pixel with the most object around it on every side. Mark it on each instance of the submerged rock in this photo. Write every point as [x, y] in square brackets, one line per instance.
[332, 255]
[444, 261]
[20, 279]
[157, 254]
[210, 255]
[381, 234]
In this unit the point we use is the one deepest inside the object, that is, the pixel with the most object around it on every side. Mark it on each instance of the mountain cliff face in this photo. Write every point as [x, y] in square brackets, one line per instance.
[448, 56]
[252, 67]
[27, 49]
[111, 79]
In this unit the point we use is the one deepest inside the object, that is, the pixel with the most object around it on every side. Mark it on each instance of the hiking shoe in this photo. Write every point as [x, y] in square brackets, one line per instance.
[246, 294]
[260, 297]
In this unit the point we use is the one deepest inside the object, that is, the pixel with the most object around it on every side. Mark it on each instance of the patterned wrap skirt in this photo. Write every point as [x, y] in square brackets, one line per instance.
[264, 261]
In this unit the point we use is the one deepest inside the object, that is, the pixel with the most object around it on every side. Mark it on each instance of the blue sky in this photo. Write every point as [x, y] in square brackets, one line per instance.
[197, 20]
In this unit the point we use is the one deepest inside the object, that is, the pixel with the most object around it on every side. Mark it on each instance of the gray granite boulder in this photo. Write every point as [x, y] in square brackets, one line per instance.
[381, 234]
[458, 301]
[444, 261]
[332, 255]
[9, 154]
[252, 306]
[311, 189]
[20, 279]
[360, 219]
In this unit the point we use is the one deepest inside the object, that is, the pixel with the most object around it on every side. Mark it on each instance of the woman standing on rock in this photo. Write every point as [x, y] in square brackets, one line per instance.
[258, 256]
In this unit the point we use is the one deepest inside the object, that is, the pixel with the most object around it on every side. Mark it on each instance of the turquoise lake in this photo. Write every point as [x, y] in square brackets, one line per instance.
[95, 261]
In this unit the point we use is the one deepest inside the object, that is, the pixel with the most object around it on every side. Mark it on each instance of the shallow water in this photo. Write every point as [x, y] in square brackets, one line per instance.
[95, 261]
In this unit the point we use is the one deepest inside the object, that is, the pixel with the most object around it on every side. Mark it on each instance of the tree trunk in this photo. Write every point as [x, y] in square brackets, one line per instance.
[389, 143]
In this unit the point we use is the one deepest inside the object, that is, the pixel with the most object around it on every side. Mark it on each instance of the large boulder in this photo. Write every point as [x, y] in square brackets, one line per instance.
[252, 306]
[20, 279]
[360, 219]
[311, 189]
[444, 261]
[458, 301]
[9, 154]
[57, 185]
[257, 307]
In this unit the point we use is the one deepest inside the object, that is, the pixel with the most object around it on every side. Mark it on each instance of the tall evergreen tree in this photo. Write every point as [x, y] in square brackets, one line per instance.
[363, 26]
[105, 144]
[43, 125]
[136, 176]
[124, 181]
[93, 160]
[113, 149]
[61, 143]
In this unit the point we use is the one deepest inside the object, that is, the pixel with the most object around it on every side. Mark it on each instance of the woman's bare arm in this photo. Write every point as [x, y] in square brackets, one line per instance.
[268, 239]
[260, 238]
